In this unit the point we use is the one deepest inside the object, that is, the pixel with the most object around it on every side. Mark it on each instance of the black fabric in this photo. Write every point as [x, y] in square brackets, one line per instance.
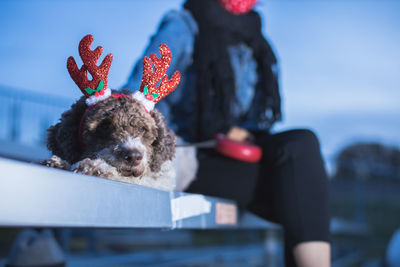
[215, 84]
[221, 176]
[288, 186]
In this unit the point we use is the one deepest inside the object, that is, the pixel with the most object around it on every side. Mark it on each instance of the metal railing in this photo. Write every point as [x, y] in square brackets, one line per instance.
[25, 115]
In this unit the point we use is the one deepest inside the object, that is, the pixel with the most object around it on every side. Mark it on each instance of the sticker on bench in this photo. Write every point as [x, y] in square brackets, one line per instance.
[189, 206]
[225, 214]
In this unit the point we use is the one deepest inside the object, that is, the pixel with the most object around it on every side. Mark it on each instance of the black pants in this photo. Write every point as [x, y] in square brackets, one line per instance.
[289, 185]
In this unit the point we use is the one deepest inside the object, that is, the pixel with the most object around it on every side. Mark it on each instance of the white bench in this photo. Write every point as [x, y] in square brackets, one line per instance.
[38, 196]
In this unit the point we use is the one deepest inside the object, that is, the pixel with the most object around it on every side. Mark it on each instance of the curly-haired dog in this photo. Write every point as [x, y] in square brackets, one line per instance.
[118, 140]
[115, 134]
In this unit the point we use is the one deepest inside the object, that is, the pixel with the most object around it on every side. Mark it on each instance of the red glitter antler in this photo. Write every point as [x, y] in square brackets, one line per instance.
[98, 84]
[151, 78]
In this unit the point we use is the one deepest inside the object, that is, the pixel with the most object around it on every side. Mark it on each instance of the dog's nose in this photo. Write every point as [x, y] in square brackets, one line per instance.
[132, 156]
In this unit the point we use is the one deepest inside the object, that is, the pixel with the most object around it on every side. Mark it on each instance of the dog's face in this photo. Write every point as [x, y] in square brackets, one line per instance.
[118, 130]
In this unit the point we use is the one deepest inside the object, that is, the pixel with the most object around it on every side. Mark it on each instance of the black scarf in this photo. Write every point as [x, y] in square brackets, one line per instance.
[215, 82]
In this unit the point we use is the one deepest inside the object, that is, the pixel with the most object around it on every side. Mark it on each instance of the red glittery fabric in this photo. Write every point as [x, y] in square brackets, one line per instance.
[151, 78]
[89, 59]
[237, 6]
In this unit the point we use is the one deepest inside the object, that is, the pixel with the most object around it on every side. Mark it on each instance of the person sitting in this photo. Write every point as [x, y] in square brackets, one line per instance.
[230, 85]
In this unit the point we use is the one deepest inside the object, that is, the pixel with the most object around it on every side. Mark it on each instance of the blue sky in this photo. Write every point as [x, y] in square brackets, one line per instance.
[339, 60]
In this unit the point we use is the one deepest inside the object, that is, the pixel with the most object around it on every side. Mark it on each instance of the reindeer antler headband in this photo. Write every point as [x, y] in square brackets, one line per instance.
[96, 89]
[149, 94]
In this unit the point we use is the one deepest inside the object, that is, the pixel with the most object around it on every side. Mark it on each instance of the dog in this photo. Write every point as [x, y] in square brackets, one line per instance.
[116, 134]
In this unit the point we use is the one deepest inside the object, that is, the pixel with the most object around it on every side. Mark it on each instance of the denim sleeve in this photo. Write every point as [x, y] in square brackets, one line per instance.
[177, 31]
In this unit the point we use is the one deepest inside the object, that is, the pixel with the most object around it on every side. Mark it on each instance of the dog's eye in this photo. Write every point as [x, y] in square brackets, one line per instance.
[104, 129]
[142, 129]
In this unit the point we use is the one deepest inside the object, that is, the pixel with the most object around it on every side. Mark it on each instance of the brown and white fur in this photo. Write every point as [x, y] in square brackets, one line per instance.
[117, 139]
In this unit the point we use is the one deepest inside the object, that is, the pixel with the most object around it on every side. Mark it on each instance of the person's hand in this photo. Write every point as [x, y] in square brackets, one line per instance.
[237, 144]
[238, 134]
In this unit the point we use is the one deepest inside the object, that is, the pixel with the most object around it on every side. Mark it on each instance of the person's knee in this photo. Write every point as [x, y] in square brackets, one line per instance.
[307, 137]
[302, 142]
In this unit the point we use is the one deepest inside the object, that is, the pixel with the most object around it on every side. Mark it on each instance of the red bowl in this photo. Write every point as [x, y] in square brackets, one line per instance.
[244, 151]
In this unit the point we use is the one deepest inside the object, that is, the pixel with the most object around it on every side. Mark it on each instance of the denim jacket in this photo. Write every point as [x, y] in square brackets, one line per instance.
[178, 30]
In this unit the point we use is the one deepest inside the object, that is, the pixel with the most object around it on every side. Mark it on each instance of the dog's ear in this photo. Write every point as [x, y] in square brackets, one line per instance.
[62, 138]
[164, 145]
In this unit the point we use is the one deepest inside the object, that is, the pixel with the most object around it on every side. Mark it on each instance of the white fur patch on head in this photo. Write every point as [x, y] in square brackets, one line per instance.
[134, 143]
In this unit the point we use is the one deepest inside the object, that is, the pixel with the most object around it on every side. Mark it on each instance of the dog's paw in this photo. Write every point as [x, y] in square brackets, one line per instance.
[56, 162]
[95, 167]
